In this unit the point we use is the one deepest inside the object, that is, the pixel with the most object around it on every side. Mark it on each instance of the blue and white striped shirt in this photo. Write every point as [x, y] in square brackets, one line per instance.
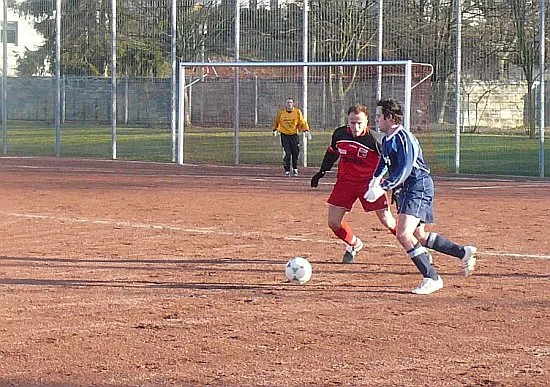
[402, 157]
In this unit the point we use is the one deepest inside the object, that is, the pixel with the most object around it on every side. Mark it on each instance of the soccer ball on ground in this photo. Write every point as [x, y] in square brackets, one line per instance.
[298, 270]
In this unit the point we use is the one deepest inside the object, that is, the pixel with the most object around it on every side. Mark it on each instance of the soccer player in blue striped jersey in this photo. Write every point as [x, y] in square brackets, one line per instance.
[404, 163]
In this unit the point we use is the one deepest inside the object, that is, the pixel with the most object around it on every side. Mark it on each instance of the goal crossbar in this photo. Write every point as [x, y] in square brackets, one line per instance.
[407, 64]
[296, 64]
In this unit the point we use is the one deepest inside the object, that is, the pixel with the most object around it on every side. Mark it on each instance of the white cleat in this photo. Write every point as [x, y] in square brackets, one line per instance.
[428, 286]
[469, 259]
[351, 251]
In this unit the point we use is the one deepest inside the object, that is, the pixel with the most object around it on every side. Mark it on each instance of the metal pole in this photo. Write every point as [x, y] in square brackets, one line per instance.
[5, 81]
[173, 85]
[255, 100]
[181, 110]
[408, 93]
[126, 98]
[458, 94]
[324, 103]
[113, 78]
[63, 98]
[57, 104]
[236, 90]
[542, 84]
[305, 44]
[380, 37]
[204, 32]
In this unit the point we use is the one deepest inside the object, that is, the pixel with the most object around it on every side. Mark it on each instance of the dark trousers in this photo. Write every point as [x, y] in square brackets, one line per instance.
[291, 147]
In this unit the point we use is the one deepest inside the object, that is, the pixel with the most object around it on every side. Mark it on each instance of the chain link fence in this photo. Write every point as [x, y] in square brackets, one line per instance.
[62, 57]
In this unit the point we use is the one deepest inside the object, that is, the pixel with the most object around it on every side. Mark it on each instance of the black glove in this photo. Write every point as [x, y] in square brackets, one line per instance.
[315, 179]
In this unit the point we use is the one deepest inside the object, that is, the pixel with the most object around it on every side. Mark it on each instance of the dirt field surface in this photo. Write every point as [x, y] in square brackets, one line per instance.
[140, 274]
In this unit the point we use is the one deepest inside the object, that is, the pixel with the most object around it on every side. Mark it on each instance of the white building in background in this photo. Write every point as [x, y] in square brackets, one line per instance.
[20, 35]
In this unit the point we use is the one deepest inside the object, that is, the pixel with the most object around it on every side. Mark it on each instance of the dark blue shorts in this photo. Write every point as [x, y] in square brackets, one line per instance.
[416, 199]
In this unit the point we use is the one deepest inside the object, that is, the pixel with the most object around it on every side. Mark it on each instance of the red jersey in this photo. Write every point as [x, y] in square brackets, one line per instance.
[359, 156]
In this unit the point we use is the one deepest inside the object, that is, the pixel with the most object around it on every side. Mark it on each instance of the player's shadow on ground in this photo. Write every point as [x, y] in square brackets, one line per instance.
[140, 264]
[184, 261]
[236, 265]
[221, 264]
[209, 286]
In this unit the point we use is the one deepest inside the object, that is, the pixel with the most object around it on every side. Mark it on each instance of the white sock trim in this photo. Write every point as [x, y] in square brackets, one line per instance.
[416, 252]
[431, 239]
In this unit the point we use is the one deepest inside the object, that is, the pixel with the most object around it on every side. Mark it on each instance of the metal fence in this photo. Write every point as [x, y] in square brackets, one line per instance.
[73, 67]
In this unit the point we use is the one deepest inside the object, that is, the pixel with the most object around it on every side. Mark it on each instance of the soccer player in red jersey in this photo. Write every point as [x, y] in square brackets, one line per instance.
[358, 149]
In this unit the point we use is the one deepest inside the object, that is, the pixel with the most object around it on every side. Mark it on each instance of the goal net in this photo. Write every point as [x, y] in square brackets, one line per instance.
[226, 110]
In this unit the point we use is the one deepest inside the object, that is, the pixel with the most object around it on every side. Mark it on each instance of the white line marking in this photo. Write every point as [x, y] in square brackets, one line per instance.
[500, 187]
[122, 223]
[515, 255]
[252, 235]
[213, 231]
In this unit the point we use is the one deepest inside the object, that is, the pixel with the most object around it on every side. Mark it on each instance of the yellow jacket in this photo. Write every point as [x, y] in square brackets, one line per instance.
[290, 122]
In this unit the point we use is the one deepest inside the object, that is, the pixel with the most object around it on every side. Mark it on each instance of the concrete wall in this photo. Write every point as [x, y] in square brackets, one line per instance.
[494, 105]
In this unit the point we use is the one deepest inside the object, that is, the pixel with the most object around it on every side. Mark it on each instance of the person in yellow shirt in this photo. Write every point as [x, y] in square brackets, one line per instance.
[288, 123]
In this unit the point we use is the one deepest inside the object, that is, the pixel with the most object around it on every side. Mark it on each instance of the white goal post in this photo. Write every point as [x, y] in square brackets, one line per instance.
[192, 72]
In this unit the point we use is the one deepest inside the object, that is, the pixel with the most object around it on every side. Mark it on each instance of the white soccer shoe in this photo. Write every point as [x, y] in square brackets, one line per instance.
[352, 251]
[469, 259]
[428, 286]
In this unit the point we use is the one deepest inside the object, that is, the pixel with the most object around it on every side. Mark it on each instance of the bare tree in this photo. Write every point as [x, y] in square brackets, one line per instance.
[343, 30]
[525, 19]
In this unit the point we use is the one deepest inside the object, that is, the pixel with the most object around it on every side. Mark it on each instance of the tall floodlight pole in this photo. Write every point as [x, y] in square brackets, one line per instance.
[542, 82]
[5, 81]
[458, 94]
[236, 89]
[57, 109]
[305, 44]
[113, 78]
[173, 77]
[380, 37]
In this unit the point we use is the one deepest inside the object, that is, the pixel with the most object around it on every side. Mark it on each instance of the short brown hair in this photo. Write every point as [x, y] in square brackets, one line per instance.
[358, 108]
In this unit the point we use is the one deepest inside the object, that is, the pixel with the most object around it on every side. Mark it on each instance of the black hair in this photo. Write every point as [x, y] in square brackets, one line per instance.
[391, 107]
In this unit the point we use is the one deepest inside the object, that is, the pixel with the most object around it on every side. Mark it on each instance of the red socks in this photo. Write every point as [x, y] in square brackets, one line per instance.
[345, 233]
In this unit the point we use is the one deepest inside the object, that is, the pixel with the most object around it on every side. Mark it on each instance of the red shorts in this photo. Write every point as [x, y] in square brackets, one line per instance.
[346, 192]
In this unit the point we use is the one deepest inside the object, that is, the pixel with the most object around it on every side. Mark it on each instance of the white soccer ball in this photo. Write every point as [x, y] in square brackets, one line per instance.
[298, 270]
